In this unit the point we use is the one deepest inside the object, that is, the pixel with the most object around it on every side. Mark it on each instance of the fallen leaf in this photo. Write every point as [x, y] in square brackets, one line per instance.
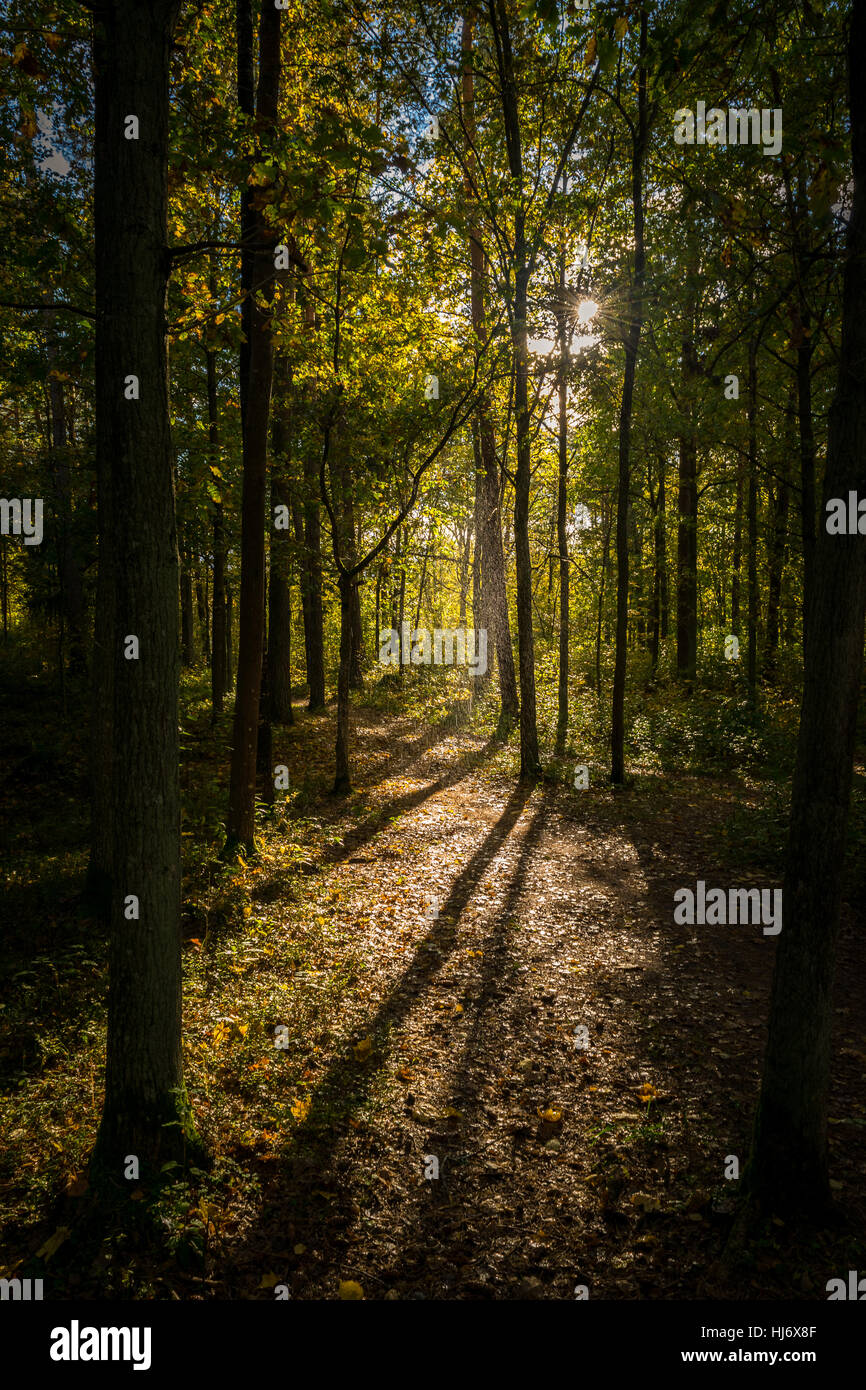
[349, 1289]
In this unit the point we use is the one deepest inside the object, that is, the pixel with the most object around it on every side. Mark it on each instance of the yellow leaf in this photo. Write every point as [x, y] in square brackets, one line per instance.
[269, 1281]
[53, 1243]
[589, 56]
[552, 1117]
[620, 28]
[300, 1249]
[301, 1109]
[363, 1049]
[349, 1289]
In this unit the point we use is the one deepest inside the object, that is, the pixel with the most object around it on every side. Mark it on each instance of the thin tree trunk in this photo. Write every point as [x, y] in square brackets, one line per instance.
[658, 626]
[187, 635]
[313, 557]
[635, 323]
[279, 598]
[561, 521]
[777, 552]
[242, 793]
[342, 780]
[807, 468]
[218, 635]
[737, 561]
[752, 521]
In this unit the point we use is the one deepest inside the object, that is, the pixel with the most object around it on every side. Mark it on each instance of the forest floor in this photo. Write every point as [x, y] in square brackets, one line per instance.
[427, 1123]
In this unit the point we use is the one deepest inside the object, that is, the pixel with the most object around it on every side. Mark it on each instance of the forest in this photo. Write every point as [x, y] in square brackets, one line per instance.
[432, 444]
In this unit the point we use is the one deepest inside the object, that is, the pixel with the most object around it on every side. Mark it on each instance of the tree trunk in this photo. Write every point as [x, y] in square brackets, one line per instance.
[493, 588]
[313, 561]
[752, 521]
[279, 597]
[658, 626]
[187, 634]
[788, 1170]
[687, 528]
[561, 521]
[218, 635]
[145, 1110]
[737, 561]
[342, 781]
[635, 323]
[242, 793]
[807, 468]
[203, 615]
[777, 553]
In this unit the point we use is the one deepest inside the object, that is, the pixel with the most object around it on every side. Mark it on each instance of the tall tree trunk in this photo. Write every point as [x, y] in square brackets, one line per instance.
[203, 615]
[777, 552]
[242, 792]
[279, 597]
[752, 520]
[187, 633]
[788, 1169]
[658, 626]
[342, 779]
[493, 587]
[635, 323]
[530, 764]
[313, 560]
[145, 1111]
[807, 466]
[687, 520]
[737, 561]
[69, 571]
[219, 682]
[229, 661]
[561, 520]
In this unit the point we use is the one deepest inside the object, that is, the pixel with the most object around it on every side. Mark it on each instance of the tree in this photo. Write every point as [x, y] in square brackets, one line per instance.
[241, 819]
[145, 1111]
[788, 1167]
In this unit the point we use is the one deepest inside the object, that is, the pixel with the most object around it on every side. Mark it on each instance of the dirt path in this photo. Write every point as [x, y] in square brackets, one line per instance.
[559, 1165]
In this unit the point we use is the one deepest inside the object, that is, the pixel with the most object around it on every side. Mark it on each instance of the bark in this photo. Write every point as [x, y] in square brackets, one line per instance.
[313, 577]
[530, 764]
[203, 615]
[342, 779]
[658, 617]
[807, 465]
[788, 1169]
[69, 570]
[561, 519]
[242, 792]
[493, 587]
[145, 1112]
[687, 502]
[776, 556]
[737, 561]
[187, 636]
[752, 521]
[279, 596]
[635, 322]
[219, 681]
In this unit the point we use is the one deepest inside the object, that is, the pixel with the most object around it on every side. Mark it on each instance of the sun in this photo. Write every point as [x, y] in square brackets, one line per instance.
[586, 311]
